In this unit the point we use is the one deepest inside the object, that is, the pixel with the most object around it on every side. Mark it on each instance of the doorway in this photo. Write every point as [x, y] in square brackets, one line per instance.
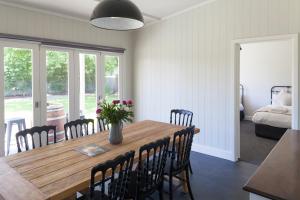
[265, 80]
[237, 46]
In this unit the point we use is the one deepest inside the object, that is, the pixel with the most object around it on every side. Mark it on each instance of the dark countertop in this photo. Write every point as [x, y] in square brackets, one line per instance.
[278, 177]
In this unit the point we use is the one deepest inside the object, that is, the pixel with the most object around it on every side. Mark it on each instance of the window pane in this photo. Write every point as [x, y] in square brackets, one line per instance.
[57, 63]
[111, 77]
[88, 100]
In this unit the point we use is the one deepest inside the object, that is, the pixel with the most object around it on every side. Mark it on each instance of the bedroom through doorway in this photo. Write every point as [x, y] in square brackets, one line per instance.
[265, 97]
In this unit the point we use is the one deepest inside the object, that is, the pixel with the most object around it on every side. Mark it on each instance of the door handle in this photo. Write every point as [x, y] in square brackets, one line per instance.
[36, 104]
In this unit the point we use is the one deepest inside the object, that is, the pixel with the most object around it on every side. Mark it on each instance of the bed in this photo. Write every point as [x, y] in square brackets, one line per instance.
[242, 109]
[273, 120]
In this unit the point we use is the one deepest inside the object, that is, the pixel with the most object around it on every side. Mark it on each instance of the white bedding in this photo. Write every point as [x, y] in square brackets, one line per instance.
[277, 116]
[241, 107]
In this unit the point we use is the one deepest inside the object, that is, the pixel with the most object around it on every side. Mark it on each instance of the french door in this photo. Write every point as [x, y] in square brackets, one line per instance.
[57, 88]
[112, 76]
[45, 85]
[19, 90]
[88, 66]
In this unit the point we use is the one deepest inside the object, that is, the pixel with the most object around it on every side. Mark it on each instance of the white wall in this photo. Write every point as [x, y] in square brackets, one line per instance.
[30, 23]
[262, 66]
[185, 62]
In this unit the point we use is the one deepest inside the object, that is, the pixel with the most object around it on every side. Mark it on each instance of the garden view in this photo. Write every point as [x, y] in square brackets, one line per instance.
[18, 81]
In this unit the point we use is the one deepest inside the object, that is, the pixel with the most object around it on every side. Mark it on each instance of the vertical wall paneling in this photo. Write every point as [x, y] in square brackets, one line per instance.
[189, 57]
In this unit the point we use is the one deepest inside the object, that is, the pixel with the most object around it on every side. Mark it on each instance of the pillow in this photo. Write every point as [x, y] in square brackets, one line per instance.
[282, 99]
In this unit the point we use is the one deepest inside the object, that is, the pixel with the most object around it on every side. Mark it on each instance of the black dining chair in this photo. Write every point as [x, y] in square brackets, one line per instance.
[114, 178]
[182, 118]
[179, 161]
[36, 137]
[149, 175]
[79, 128]
[103, 125]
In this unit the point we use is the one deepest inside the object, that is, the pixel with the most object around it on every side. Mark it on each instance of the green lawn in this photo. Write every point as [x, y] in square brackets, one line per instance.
[18, 104]
[24, 105]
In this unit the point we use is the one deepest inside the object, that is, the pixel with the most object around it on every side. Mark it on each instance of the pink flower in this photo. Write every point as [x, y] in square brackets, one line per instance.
[124, 102]
[98, 111]
[129, 102]
[116, 102]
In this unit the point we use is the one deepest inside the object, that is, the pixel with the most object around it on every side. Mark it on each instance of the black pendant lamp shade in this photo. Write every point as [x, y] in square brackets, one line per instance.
[117, 15]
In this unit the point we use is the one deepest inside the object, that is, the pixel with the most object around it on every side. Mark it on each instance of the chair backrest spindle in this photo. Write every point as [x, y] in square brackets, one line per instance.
[36, 131]
[71, 128]
[114, 177]
[152, 161]
[181, 117]
[181, 148]
[103, 125]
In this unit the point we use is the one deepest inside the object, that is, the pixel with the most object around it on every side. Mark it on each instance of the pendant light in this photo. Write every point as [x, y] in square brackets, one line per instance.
[117, 15]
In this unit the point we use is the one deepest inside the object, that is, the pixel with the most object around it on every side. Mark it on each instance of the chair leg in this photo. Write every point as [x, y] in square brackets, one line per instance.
[171, 187]
[188, 183]
[20, 129]
[8, 137]
[161, 193]
[190, 167]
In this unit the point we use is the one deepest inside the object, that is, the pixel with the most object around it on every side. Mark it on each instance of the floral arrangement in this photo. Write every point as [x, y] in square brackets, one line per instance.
[116, 111]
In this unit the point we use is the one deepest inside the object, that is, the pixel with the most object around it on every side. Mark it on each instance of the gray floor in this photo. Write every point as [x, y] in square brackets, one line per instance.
[216, 179]
[254, 149]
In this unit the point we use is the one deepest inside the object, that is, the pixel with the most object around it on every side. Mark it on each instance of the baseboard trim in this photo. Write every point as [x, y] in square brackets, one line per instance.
[211, 151]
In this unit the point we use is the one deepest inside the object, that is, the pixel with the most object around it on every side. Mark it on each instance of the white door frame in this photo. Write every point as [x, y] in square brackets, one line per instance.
[235, 85]
[35, 84]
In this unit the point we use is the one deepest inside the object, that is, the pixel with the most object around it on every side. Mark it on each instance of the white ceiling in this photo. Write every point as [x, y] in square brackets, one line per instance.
[152, 9]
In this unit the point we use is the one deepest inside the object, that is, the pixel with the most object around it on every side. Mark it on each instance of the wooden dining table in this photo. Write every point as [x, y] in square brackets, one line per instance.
[58, 171]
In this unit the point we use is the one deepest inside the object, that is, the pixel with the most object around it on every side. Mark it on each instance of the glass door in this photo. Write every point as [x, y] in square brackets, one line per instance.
[19, 75]
[112, 88]
[56, 90]
[88, 85]
[43, 85]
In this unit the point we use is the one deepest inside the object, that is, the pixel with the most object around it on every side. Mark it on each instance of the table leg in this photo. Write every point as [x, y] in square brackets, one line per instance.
[20, 129]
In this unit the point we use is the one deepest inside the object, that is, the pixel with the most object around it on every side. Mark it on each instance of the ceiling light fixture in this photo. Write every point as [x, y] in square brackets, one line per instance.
[118, 15]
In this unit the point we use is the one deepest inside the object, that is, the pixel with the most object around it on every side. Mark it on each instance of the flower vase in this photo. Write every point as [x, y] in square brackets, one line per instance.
[115, 133]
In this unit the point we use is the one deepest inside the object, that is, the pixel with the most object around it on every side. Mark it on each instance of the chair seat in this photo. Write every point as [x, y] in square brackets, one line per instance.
[15, 119]
[168, 166]
[176, 170]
